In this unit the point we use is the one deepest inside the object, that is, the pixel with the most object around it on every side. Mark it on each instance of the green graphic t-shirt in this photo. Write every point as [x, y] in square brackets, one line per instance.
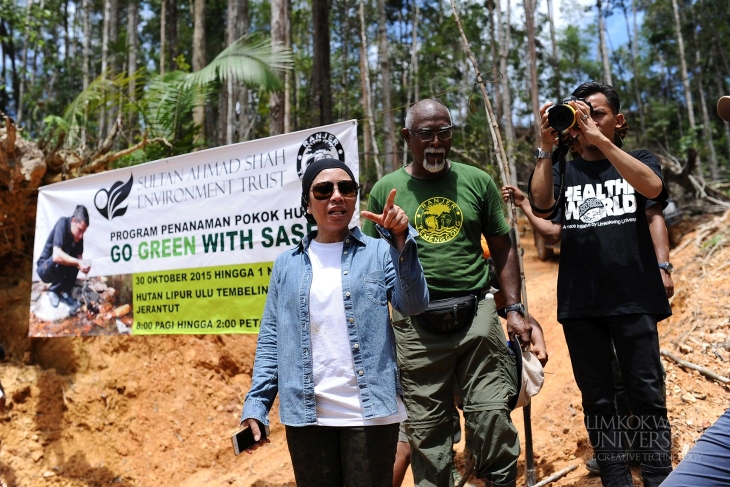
[450, 214]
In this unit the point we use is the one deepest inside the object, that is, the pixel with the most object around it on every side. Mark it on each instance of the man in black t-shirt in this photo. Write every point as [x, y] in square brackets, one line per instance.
[61, 259]
[610, 286]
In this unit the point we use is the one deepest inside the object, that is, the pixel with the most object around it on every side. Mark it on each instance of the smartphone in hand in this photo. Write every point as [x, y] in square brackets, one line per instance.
[243, 439]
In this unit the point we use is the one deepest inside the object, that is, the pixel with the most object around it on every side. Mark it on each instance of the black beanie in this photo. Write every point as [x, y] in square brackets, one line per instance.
[311, 172]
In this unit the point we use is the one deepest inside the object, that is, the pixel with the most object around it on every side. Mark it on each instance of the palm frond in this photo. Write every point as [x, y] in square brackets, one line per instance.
[250, 60]
[107, 92]
[169, 99]
[90, 99]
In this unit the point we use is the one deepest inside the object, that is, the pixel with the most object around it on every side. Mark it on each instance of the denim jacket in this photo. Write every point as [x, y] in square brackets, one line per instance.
[370, 279]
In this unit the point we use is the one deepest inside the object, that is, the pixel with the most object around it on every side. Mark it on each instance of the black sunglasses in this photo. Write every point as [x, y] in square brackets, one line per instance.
[323, 191]
[428, 135]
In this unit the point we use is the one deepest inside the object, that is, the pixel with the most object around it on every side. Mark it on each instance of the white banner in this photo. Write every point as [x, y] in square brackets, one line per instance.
[179, 245]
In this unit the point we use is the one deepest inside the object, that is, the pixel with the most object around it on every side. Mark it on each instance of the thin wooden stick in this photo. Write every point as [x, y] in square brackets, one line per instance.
[499, 151]
[700, 369]
[556, 476]
[511, 207]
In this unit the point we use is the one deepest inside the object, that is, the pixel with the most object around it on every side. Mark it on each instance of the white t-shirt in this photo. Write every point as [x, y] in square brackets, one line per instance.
[335, 384]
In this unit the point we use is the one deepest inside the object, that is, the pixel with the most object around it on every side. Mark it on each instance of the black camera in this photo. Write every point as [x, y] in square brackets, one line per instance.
[563, 116]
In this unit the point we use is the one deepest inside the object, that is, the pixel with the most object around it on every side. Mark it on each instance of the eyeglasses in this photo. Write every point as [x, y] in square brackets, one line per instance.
[428, 135]
[323, 191]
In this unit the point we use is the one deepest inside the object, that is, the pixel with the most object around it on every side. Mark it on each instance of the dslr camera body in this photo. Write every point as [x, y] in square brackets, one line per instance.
[562, 116]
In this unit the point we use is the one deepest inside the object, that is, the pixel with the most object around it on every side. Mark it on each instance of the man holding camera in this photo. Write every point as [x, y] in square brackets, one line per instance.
[452, 205]
[610, 285]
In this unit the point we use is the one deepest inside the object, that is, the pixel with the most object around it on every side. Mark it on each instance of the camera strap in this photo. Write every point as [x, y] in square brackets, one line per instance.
[559, 159]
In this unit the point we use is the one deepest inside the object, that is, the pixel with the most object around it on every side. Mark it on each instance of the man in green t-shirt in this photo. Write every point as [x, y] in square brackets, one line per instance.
[452, 205]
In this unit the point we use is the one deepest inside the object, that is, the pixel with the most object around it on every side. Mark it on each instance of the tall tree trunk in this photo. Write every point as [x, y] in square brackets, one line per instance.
[132, 48]
[371, 143]
[37, 53]
[243, 122]
[113, 35]
[634, 45]
[107, 66]
[495, 58]
[66, 35]
[287, 73]
[163, 36]
[412, 88]
[278, 36]
[229, 90]
[414, 52]
[104, 66]
[7, 35]
[172, 34]
[555, 61]
[530, 21]
[709, 20]
[384, 60]
[505, 39]
[199, 62]
[132, 44]
[344, 111]
[73, 47]
[85, 57]
[365, 87]
[603, 45]
[706, 126]
[685, 79]
[321, 72]
[24, 70]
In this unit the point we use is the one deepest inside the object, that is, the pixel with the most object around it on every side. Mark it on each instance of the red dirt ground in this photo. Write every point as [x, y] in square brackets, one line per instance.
[141, 411]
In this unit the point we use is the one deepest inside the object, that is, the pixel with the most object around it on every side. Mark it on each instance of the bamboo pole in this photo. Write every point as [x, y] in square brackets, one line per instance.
[504, 171]
[505, 174]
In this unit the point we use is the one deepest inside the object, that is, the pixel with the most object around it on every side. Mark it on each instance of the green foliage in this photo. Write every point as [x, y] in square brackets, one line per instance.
[169, 102]
[250, 60]
[162, 105]
[182, 64]
[715, 241]
[53, 127]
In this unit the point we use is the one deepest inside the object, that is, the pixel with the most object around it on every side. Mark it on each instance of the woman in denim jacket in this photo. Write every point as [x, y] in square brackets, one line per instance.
[326, 343]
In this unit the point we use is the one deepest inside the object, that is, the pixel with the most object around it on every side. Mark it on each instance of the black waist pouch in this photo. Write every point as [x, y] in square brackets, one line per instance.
[449, 315]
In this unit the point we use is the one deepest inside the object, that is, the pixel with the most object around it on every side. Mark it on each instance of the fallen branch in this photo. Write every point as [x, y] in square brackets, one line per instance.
[681, 247]
[700, 369]
[682, 175]
[723, 266]
[556, 476]
[106, 146]
[100, 163]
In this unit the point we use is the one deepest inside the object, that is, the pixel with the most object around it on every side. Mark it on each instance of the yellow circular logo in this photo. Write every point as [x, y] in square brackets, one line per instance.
[438, 220]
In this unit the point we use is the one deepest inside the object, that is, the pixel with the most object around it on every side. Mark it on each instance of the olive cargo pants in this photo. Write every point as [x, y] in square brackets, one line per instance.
[486, 371]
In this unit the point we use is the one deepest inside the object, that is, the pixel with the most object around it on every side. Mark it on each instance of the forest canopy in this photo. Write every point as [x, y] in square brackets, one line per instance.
[188, 75]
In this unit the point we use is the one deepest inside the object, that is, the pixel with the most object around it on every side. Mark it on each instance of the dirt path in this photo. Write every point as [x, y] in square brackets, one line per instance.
[142, 411]
[559, 436]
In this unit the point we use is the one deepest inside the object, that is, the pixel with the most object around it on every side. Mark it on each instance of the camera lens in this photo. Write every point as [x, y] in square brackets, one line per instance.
[561, 117]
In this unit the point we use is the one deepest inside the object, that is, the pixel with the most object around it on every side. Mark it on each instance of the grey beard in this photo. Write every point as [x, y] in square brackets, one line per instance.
[435, 167]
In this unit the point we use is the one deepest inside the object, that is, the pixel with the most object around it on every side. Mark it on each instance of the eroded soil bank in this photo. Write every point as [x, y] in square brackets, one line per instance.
[142, 411]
